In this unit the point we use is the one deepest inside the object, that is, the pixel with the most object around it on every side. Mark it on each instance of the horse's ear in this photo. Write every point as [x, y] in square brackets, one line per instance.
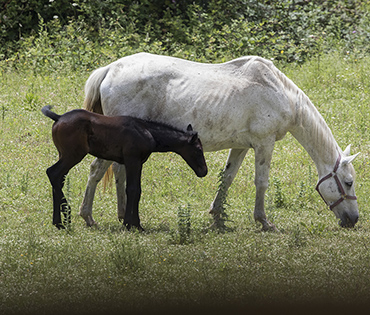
[190, 128]
[349, 159]
[193, 138]
[347, 151]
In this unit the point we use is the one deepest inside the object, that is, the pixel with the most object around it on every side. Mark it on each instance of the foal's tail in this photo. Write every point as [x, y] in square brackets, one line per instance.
[46, 110]
[92, 100]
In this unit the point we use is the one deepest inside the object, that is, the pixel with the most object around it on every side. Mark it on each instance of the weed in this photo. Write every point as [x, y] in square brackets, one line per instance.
[126, 255]
[3, 112]
[298, 239]
[279, 199]
[31, 101]
[184, 223]
[222, 192]
[24, 183]
[315, 228]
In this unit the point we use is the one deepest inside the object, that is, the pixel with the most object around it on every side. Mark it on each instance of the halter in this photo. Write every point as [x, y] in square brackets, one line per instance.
[343, 195]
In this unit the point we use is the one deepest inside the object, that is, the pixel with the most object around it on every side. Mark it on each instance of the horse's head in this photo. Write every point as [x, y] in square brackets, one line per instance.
[191, 151]
[338, 190]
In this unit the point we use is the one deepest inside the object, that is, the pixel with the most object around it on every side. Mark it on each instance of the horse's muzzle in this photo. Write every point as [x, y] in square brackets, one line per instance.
[348, 221]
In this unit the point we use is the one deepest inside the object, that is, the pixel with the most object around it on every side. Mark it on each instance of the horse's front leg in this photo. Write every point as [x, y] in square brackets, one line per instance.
[119, 171]
[263, 156]
[97, 170]
[233, 163]
[133, 192]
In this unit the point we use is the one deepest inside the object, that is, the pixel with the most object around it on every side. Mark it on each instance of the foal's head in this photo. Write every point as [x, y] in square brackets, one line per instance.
[191, 151]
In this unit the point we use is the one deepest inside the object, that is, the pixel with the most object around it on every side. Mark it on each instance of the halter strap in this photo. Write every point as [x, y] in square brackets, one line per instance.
[343, 195]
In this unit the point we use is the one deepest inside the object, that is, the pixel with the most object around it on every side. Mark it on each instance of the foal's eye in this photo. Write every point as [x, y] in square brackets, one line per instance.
[349, 183]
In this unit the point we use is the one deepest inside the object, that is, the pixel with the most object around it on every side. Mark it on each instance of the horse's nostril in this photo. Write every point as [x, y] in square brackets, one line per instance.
[349, 221]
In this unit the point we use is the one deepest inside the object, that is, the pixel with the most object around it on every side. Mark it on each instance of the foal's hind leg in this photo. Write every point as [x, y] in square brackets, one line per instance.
[233, 163]
[97, 170]
[56, 174]
[119, 171]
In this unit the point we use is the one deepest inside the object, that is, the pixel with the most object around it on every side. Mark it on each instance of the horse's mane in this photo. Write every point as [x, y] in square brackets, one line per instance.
[307, 117]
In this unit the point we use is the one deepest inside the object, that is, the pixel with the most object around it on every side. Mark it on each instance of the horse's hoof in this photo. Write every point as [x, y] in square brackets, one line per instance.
[91, 223]
[269, 227]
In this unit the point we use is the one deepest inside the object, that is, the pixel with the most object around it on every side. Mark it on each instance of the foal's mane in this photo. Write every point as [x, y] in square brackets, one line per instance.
[160, 125]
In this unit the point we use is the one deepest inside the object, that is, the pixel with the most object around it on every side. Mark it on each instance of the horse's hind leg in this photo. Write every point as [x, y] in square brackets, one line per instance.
[233, 163]
[97, 170]
[119, 171]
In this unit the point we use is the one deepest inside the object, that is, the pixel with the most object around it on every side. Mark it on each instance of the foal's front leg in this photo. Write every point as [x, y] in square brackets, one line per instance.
[263, 156]
[133, 192]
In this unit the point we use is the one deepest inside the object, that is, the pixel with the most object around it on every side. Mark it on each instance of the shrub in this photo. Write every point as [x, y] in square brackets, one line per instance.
[50, 34]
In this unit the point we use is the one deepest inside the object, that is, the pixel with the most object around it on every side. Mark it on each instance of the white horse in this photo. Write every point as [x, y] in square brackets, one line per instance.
[241, 104]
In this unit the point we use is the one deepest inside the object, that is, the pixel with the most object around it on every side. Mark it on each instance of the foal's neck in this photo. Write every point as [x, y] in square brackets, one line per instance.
[166, 137]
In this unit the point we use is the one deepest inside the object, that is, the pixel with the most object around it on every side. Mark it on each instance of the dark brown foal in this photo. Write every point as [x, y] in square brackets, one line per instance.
[122, 139]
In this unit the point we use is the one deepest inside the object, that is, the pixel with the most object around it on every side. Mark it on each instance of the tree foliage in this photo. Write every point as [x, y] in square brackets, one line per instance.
[81, 32]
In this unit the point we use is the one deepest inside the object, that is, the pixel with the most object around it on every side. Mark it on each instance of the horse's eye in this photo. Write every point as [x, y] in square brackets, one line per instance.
[349, 183]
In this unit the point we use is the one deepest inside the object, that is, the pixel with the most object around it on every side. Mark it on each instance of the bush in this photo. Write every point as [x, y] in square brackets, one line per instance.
[52, 34]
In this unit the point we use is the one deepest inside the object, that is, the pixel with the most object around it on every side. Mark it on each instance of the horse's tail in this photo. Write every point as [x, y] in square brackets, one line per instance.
[46, 110]
[92, 100]
[92, 103]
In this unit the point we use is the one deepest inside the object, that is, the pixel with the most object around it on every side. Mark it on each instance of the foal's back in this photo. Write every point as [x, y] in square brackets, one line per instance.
[105, 137]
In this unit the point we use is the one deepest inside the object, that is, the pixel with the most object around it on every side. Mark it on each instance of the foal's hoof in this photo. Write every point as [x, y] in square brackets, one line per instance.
[131, 227]
[59, 226]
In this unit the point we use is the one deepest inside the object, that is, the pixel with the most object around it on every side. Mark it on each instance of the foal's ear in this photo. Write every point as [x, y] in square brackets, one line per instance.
[190, 128]
[193, 138]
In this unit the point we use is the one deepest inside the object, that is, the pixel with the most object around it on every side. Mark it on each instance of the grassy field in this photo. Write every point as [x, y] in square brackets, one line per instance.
[312, 261]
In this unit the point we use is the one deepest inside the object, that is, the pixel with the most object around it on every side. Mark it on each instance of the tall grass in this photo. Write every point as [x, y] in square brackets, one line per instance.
[86, 270]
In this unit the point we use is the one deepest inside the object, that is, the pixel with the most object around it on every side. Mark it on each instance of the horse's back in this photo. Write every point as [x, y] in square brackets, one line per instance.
[218, 99]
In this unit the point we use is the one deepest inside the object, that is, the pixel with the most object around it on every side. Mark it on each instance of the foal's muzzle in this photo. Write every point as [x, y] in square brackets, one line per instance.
[202, 172]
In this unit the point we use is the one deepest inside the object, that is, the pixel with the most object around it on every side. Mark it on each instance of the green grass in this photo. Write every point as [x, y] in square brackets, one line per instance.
[311, 260]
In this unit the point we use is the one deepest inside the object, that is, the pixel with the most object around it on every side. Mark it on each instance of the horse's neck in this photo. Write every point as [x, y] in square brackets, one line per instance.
[314, 135]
